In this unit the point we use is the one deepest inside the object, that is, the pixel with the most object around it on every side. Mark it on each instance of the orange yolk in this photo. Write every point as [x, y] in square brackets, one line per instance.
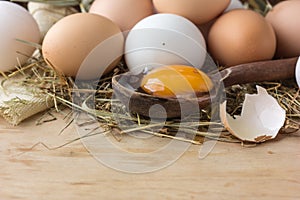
[176, 81]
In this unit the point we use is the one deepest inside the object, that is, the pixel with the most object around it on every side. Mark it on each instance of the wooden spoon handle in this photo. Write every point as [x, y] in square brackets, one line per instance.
[259, 71]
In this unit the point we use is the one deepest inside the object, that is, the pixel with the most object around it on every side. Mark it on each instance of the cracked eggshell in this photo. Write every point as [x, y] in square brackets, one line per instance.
[297, 72]
[260, 120]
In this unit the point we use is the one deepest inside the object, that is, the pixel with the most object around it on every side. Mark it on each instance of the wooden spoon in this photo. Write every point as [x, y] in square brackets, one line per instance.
[125, 88]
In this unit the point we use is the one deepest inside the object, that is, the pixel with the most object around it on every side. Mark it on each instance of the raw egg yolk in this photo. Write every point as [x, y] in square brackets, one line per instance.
[176, 81]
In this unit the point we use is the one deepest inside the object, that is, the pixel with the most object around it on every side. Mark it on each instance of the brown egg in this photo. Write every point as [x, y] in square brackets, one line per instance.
[198, 11]
[83, 45]
[285, 19]
[204, 28]
[125, 13]
[241, 36]
[176, 80]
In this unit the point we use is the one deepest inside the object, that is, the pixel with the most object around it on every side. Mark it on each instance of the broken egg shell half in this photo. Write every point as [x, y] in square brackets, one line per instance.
[297, 72]
[260, 120]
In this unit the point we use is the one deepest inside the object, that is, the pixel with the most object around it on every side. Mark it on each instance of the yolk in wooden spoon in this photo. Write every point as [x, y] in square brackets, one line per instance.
[176, 81]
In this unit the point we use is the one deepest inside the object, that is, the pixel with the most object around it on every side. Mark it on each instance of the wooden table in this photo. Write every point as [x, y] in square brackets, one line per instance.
[267, 171]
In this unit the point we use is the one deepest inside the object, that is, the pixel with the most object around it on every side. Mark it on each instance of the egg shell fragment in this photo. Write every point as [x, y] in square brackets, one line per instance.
[260, 120]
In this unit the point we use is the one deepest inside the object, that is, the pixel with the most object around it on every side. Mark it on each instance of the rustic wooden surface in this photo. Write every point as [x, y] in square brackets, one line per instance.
[267, 171]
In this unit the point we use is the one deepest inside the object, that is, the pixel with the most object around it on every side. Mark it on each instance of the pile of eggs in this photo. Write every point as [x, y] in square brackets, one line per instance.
[151, 34]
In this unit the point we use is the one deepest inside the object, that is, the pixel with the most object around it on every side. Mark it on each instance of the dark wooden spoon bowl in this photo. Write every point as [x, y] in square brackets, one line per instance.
[139, 102]
[126, 88]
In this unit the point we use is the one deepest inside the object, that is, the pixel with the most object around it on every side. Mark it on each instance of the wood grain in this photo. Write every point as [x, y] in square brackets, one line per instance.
[267, 171]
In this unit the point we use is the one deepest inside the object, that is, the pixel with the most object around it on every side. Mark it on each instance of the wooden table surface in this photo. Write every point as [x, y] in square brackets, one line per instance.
[267, 171]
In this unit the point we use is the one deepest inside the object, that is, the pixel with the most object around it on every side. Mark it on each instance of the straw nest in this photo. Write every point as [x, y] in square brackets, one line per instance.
[49, 84]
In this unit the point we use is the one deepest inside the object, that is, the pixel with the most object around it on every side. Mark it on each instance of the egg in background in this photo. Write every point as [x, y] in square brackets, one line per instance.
[164, 39]
[234, 4]
[46, 14]
[197, 11]
[204, 28]
[241, 36]
[285, 19]
[16, 23]
[125, 13]
[83, 45]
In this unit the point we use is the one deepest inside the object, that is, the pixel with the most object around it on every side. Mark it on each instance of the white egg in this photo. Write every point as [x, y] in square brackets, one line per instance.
[234, 4]
[297, 72]
[164, 39]
[16, 23]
